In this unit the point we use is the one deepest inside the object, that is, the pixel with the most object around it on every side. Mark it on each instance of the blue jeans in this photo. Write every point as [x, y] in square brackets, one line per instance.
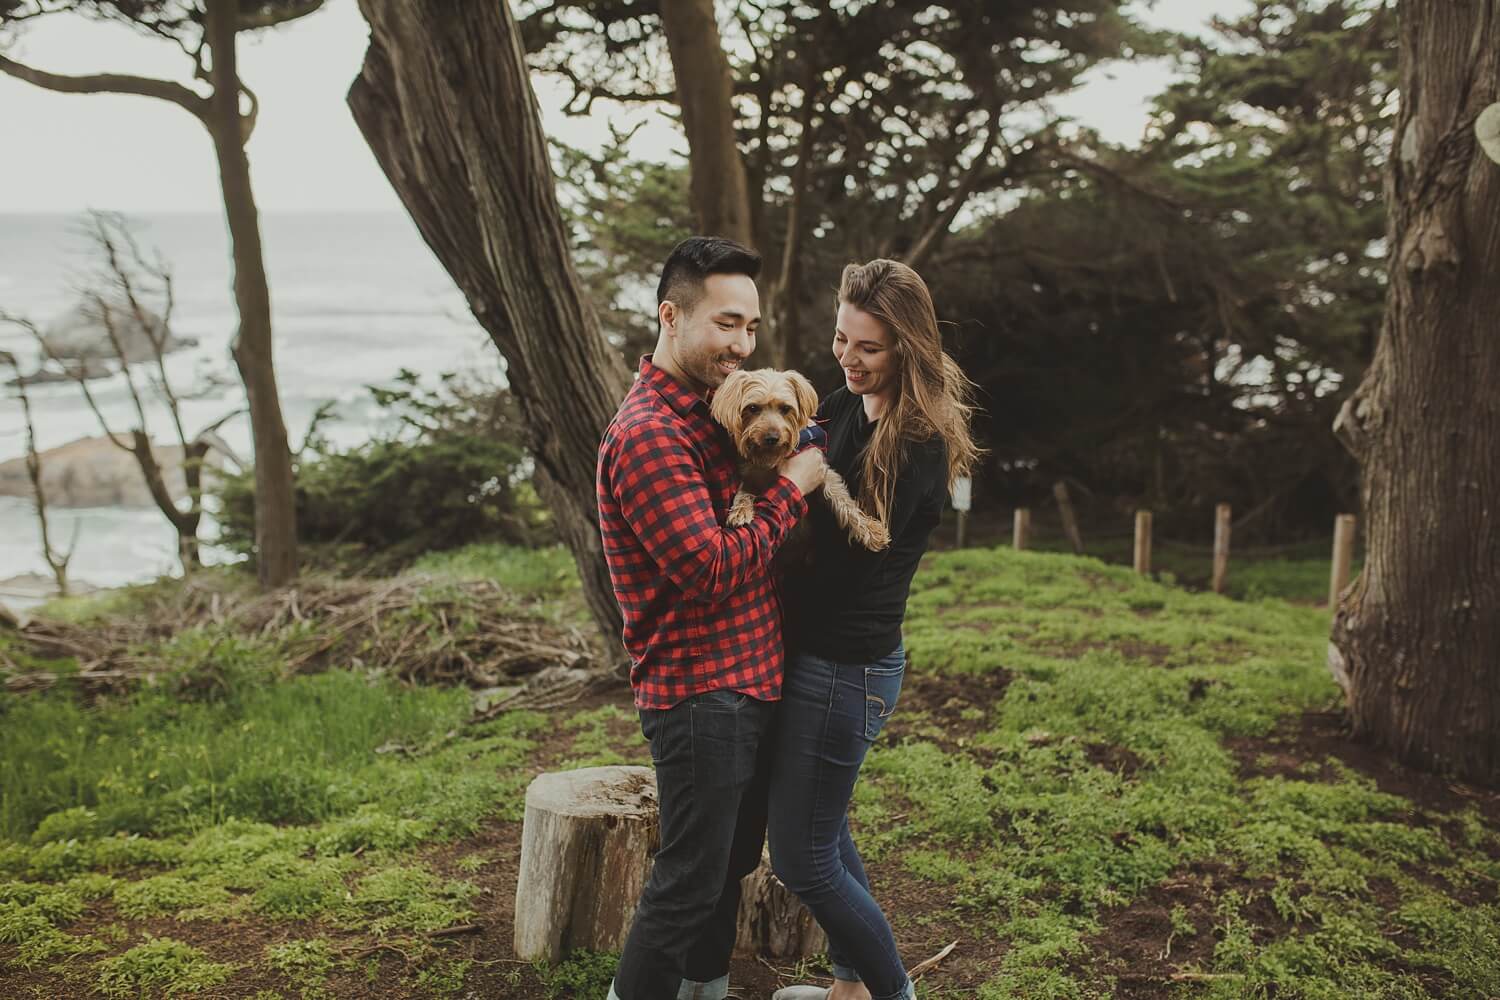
[830, 715]
[711, 787]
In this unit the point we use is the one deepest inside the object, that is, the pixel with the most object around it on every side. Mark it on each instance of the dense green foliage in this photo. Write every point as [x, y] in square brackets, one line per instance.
[1171, 325]
[444, 467]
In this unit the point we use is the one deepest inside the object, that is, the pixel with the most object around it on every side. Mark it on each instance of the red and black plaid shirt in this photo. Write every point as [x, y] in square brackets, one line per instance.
[700, 608]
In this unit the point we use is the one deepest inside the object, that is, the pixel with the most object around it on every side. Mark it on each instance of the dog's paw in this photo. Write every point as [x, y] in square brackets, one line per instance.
[872, 534]
[742, 511]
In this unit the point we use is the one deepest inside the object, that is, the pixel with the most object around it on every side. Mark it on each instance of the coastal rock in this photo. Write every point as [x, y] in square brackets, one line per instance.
[30, 588]
[93, 472]
[80, 336]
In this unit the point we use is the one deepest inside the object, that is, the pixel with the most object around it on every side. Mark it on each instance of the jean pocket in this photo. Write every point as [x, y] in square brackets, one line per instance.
[882, 690]
[720, 699]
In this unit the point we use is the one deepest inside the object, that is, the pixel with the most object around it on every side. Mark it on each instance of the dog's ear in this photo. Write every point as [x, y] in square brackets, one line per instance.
[807, 396]
[729, 400]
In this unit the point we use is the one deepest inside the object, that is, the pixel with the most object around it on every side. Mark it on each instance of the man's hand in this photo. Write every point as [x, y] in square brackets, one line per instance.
[805, 469]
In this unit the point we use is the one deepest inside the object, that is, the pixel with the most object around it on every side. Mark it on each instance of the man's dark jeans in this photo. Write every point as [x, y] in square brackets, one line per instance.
[711, 784]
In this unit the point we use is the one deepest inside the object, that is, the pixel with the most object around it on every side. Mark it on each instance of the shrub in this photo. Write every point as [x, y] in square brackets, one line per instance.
[447, 469]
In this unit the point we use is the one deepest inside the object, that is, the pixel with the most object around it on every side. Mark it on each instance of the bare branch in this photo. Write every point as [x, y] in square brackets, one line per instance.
[57, 561]
[957, 199]
[109, 83]
[77, 373]
[247, 120]
[1105, 172]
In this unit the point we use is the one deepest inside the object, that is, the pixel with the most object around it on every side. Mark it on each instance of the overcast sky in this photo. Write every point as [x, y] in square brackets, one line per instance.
[64, 153]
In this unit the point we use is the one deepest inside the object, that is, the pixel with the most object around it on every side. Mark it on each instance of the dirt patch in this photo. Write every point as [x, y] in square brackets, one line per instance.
[1300, 748]
[925, 921]
[1151, 955]
[1148, 951]
[1112, 758]
[948, 709]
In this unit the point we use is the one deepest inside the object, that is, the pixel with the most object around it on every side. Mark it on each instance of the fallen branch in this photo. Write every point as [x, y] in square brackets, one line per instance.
[927, 964]
[398, 944]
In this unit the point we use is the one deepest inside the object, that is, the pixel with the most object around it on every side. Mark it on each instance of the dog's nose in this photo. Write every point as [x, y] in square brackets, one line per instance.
[769, 439]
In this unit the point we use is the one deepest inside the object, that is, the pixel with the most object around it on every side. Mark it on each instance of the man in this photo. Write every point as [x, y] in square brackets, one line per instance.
[702, 621]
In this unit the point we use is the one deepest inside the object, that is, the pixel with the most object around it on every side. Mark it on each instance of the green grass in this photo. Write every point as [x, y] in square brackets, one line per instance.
[295, 751]
[543, 574]
[1297, 573]
[1039, 845]
[266, 799]
[161, 964]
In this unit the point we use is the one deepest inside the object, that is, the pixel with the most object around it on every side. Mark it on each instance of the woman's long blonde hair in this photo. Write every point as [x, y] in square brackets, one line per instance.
[935, 397]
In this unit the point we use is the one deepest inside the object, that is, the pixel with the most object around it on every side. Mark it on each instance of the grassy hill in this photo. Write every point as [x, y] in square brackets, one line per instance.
[1096, 785]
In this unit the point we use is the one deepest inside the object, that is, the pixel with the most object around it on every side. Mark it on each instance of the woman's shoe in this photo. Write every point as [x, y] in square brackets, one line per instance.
[801, 993]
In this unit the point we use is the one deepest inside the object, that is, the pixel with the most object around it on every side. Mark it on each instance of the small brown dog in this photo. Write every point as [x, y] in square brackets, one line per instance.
[764, 412]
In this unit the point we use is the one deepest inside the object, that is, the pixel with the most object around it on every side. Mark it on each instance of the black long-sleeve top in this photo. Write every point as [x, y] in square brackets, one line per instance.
[849, 604]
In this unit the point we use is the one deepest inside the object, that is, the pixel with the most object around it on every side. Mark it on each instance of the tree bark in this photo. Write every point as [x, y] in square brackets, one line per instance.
[705, 91]
[587, 845]
[275, 496]
[772, 922]
[1415, 635]
[586, 848]
[444, 99]
[185, 523]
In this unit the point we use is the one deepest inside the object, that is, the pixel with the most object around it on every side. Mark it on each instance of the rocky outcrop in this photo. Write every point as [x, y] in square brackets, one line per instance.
[78, 343]
[93, 472]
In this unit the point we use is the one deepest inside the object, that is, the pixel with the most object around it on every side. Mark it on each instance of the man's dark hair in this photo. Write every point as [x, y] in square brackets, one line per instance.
[693, 260]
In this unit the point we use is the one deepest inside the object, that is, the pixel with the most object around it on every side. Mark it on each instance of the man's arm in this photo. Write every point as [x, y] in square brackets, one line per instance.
[662, 496]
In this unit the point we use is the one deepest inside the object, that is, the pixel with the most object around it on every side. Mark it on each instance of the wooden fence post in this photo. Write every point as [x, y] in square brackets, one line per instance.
[1069, 519]
[1221, 546]
[1343, 556]
[1143, 542]
[1022, 528]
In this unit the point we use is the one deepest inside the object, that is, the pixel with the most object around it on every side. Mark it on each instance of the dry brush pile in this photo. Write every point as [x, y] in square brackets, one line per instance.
[420, 629]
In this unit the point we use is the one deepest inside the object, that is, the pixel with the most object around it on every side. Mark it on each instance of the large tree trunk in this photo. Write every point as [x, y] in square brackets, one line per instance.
[445, 102]
[275, 496]
[1415, 636]
[705, 87]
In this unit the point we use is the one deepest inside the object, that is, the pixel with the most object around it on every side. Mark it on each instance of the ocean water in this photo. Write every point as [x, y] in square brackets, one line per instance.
[354, 297]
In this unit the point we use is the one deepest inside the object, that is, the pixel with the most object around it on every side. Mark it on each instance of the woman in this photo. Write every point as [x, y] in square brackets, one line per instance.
[898, 431]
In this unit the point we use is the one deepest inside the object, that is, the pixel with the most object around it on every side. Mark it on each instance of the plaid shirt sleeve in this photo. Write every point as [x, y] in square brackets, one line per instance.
[664, 499]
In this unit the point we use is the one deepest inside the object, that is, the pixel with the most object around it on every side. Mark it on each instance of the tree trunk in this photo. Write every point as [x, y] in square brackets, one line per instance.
[185, 523]
[275, 496]
[772, 922]
[705, 89]
[444, 100]
[1415, 635]
[586, 848]
[587, 844]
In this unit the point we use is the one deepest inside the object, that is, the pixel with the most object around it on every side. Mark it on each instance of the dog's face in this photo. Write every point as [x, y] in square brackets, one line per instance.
[764, 411]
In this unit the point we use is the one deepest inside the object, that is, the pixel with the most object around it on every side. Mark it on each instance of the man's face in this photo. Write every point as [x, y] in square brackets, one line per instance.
[719, 334]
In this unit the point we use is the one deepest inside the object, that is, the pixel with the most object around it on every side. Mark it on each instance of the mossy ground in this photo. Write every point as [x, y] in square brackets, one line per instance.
[1097, 785]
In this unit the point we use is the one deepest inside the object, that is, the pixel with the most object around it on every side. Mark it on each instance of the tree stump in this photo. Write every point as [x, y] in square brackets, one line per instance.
[772, 922]
[586, 848]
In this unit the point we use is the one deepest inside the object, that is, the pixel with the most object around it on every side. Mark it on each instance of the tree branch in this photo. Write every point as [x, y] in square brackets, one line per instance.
[929, 241]
[109, 83]
[78, 374]
[247, 120]
[58, 561]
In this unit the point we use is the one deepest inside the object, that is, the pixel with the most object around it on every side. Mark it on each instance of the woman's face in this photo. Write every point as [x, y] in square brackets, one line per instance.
[866, 351]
